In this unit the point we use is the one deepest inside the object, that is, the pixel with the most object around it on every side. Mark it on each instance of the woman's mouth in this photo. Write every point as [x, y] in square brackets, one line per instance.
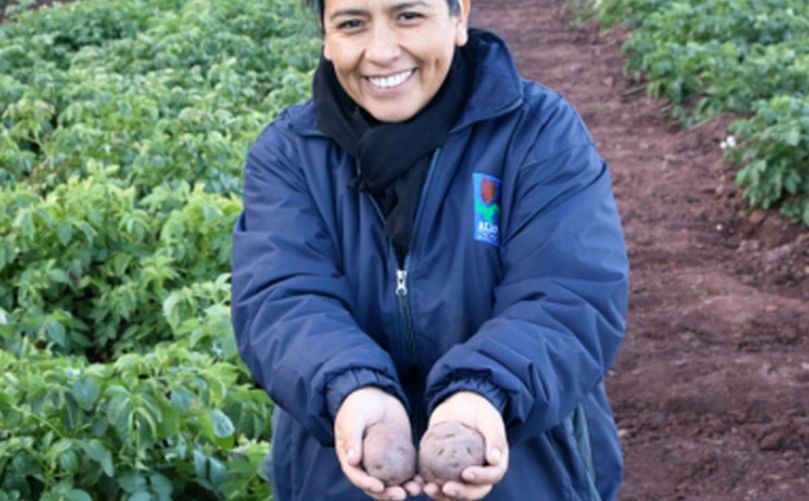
[391, 81]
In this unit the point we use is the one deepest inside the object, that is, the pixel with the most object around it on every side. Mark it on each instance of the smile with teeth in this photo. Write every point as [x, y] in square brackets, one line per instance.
[391, 81]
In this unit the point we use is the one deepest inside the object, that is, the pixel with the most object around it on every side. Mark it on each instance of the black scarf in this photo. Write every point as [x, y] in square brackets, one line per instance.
[393, 157]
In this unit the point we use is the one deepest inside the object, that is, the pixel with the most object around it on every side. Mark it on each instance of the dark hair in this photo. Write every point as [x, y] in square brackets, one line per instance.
[317, 7]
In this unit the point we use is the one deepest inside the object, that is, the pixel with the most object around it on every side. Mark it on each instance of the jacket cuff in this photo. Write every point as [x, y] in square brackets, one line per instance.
[483, 387]
[342, 385]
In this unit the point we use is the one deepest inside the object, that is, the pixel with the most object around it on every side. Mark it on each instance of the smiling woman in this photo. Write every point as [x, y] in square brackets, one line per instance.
[391, 58]
[430, 239]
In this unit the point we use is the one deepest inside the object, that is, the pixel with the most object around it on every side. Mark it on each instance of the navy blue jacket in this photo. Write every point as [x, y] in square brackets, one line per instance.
[515, 286]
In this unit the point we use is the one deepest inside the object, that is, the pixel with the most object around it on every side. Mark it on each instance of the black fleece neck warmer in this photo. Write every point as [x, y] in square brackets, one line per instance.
[393, 158]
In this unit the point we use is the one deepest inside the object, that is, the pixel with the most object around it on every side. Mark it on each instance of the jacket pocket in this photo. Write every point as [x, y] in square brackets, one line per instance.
[572, 439]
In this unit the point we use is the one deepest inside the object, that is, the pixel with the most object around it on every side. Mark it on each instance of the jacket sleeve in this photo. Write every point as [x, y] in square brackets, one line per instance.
[291, 306]
[560, 309]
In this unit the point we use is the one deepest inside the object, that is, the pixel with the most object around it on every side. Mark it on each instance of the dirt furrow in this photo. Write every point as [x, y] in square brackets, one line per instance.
[710, 388]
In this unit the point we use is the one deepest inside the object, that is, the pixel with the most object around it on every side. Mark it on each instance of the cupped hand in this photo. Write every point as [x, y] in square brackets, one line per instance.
[476, 412]
[359, 411]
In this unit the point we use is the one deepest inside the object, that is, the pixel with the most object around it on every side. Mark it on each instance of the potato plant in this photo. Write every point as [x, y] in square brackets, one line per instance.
[749, 58]
[123, 130]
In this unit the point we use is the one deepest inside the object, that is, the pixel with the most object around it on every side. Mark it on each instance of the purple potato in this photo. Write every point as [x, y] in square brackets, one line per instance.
[447, 449]
[388, 454]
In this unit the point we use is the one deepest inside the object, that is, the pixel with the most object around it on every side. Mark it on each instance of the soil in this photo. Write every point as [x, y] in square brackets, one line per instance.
[711, 386]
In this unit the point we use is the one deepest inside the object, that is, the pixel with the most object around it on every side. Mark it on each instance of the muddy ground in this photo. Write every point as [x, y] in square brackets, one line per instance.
[711, 387]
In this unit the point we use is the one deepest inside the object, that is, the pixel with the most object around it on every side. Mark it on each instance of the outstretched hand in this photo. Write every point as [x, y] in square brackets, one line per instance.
[476, 412]
[359, 411]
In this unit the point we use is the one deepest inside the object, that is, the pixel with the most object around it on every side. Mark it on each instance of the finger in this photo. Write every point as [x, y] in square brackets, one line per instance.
[433, 490]
[494, 439]
[497, 453]
[362, 480]
[413, 487]
[485, 475]
[465, 492]
[349, 441]
[389, 494]
[395, 493]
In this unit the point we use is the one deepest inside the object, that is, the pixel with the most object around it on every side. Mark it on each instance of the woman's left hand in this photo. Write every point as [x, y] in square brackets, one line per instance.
[476, 412]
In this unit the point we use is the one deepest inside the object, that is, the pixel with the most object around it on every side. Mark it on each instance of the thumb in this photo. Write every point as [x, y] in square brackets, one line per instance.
[494, 439]
[348, 436]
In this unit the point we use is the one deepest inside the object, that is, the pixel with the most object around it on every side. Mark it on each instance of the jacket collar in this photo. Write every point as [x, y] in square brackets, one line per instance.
[496, 86]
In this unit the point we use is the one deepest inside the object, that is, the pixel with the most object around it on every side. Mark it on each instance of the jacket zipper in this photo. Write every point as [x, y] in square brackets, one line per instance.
[404, 311]
[401, 274]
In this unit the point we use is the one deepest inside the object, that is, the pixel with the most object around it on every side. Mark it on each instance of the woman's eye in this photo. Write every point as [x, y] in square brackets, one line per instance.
[409, 16]
[351, 24]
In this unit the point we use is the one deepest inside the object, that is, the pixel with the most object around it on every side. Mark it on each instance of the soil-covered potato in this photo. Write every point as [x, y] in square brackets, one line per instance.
[447, 449]
[388, 454]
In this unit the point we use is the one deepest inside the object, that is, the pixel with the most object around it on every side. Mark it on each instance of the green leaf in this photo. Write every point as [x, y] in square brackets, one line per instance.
[64, 232]
[222, 425]
[132, 482]
[56, 333]
[201, 466]
[86, 393]
[181, 399]
[96, 451]
[59, 276]
[161, 486]
[218, 471]
[793, 137]
[69, 461]
[140, 496]
[77, 495]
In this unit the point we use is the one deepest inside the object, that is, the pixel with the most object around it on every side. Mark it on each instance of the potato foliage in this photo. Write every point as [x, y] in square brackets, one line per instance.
[749, 58]
[124, 126]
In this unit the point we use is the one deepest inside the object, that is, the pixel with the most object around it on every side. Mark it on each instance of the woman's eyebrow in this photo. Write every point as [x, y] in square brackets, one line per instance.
[351, 12]
[410, 5]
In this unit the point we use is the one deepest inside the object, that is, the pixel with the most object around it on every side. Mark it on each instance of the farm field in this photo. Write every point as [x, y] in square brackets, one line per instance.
[123, 125]
[710, 386]
[123, 131]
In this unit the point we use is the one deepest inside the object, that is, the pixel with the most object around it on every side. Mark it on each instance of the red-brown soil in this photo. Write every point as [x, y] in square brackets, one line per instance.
[711, 387]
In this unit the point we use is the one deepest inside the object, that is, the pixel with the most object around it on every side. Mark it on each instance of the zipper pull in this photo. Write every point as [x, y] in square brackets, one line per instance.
[401, 285]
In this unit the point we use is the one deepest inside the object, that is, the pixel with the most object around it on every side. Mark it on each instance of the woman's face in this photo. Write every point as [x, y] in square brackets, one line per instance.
[391, 56]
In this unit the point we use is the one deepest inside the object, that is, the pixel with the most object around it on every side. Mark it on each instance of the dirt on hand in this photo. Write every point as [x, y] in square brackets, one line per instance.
[711, 386]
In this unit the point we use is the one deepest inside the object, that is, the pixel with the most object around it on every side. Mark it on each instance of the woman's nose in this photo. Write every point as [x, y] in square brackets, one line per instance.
[383, 45]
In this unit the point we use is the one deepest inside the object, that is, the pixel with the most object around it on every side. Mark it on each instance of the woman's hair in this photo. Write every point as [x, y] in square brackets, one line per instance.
[317, 6]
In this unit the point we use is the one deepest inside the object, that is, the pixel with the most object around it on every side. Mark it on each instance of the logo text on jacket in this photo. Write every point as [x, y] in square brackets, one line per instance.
[486, 192]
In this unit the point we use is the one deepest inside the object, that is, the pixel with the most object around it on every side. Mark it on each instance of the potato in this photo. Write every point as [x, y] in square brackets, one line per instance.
[388, 454]
[447, 449]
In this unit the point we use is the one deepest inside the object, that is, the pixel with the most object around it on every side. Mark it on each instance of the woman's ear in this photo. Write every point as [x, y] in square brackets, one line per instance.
[462, 23]
[326, 48]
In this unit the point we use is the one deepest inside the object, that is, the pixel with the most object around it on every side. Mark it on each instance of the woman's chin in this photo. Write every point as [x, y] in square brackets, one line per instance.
[392, 113]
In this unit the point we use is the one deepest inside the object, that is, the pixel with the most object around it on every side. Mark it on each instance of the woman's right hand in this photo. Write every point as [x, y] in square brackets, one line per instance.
[359, 411]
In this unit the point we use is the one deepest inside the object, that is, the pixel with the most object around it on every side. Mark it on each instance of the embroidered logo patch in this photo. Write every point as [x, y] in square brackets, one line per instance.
[487, 208]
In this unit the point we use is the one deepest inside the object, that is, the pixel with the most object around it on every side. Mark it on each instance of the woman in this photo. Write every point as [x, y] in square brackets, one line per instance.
[429, 239]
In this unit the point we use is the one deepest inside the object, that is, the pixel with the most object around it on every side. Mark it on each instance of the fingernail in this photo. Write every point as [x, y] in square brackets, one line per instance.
[451, 493]
[496, 454]
[350, 454]
[470, 476]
